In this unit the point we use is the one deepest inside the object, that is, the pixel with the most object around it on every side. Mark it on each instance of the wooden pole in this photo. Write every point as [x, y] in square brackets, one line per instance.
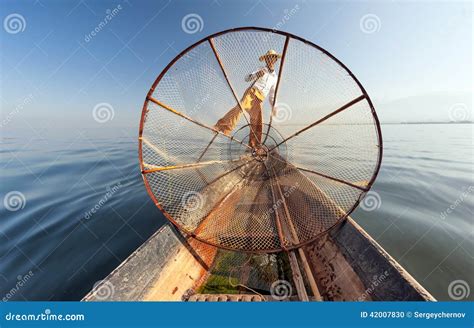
[297, 277]
[295, 270]
[304, 260]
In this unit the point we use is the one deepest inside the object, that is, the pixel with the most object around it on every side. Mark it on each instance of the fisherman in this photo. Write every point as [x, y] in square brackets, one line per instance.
[264, 83]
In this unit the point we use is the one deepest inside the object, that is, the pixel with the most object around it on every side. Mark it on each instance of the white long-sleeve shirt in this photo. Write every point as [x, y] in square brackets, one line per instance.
[266, 84]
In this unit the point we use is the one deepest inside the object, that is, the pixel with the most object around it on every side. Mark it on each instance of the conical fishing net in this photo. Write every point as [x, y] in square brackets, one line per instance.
[257, 186]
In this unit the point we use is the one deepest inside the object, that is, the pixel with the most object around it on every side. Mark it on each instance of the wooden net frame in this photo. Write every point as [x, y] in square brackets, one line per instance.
[319, 156]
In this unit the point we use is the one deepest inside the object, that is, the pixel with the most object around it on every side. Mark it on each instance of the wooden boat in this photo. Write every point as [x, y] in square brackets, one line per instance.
[346, 264]
[268, 230]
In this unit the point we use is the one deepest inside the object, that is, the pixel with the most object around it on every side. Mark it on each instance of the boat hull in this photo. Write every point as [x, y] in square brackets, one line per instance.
[347, 264]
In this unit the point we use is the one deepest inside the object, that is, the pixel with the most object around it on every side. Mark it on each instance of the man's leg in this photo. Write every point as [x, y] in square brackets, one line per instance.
[256, 119]
[227, 123]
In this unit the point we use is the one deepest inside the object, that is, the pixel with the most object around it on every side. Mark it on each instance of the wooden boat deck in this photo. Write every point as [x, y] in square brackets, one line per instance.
[347, 264]
[164, 269]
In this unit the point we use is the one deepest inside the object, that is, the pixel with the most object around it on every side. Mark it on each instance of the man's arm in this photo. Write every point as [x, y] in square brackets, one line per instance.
[254, 75]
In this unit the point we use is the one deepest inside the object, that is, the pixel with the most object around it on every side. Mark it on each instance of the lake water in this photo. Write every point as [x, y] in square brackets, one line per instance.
[83, 208]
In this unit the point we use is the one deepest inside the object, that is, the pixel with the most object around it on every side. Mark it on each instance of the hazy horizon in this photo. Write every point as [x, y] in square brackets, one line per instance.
[413, 59]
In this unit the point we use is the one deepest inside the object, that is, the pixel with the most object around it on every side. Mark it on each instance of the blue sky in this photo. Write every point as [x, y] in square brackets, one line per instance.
[416, 63]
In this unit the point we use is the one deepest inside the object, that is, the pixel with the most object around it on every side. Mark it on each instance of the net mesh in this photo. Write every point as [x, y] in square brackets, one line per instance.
[318, 155]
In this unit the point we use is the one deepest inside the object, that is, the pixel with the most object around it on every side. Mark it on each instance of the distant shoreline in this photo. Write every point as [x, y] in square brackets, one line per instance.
[463, 122]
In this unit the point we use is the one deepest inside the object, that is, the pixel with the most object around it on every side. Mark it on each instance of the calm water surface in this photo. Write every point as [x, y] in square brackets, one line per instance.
[86, 209]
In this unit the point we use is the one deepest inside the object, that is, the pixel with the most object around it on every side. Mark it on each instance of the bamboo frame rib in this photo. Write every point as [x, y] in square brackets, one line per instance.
[283, 56]
[340, 109]
[216, 54]
[155, 168]
[207, 147]
[332, 178]
[319, 173]
[174, 111]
